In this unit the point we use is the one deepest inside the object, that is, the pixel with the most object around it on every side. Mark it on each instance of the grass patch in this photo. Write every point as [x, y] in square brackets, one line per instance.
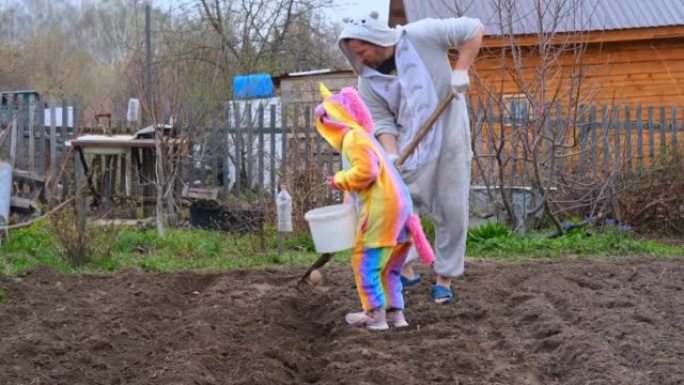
[495, 241]
[200, 250]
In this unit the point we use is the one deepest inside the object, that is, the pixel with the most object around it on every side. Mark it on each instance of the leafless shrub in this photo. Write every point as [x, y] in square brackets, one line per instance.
[652, 200]
[79, 247]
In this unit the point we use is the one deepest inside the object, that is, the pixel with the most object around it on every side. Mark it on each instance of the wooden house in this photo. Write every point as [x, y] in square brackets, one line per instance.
[302, 87]
[626, 51]
[622, 60]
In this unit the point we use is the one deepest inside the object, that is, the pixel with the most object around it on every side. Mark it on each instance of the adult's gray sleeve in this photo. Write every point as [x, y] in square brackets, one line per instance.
[447, 32]
[383, 119]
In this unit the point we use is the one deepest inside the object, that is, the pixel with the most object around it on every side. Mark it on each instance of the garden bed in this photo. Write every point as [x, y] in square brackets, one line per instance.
[608, 321]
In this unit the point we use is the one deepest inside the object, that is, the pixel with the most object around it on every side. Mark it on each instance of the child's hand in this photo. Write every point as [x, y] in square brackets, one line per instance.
[331, 182]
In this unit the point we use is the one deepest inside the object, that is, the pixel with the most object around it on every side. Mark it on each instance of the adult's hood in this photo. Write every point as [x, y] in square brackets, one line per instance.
[369, 29]
[338, 114]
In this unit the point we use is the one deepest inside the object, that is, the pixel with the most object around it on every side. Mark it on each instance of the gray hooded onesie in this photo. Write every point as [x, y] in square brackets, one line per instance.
[438, 172]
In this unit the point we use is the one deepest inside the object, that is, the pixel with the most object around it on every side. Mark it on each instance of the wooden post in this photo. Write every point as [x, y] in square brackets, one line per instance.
[80, 198]
[148, 166]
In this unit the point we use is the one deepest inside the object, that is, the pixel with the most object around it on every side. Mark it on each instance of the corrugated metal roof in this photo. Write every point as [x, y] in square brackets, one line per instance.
[520, 16]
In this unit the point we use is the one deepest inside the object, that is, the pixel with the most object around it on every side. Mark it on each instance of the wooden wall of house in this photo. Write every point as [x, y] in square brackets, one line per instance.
[304, 89]
[650, 72]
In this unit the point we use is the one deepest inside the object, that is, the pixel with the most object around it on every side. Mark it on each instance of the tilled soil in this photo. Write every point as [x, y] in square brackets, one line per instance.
[608, 321]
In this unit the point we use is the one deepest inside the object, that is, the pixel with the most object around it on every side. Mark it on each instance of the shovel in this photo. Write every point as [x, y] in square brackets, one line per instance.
[424, 130]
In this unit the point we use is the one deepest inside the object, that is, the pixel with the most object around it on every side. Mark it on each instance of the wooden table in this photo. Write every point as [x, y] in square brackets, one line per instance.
[111, 146]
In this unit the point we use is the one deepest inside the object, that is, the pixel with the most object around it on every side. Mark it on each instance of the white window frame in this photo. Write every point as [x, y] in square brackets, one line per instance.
[510, 102]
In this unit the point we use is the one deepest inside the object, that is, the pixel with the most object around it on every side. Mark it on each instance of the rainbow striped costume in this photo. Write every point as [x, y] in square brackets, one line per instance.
[384, 227]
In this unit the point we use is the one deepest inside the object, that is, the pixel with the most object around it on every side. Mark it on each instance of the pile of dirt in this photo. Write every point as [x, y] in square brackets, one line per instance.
[609, 321]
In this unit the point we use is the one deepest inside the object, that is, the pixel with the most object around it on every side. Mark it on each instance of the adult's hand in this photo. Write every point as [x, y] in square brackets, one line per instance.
[459, 81]
[393, 158]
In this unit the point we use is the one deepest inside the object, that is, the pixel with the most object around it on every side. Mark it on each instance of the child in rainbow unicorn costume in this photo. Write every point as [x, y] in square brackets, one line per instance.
[386, 224]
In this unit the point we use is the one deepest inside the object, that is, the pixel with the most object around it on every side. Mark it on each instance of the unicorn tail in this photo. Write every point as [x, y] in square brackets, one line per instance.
[427, 256]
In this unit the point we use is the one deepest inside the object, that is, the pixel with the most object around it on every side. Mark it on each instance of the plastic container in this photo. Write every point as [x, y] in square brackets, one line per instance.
[284, 206]
[332, 227]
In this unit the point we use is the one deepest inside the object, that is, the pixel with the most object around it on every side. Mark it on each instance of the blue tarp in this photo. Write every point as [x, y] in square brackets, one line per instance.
[252, 86]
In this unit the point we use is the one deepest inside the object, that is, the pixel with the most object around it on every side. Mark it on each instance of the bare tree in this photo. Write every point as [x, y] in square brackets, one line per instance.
[528, 134]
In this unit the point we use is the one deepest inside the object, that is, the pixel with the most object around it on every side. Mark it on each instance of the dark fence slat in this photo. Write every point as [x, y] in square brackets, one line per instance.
[216, 145]
[651, 136]
[273, 149]
[226, 143]
[19, 117]
[628, 139]
[319, 146]
[238, 150]
[582, 139]
[32, 108]
[559, 138]
[640, 138]
[62, 146]
[617, 123]
[675, 144]
[249, 150]
[189, 161]
[260, 163]
[53, 142]
[605, 124]
[307, 140]
[283, 151]
[42, 138]
[663, 137]
[594, 140]
[492, 144]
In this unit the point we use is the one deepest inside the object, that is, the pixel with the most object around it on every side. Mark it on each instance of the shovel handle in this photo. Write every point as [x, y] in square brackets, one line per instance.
[425, 128]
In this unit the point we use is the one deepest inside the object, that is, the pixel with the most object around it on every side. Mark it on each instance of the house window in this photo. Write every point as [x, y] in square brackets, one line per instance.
[517, 108]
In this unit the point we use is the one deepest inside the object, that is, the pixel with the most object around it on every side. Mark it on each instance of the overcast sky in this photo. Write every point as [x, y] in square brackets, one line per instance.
[344, 8]
[339, 10]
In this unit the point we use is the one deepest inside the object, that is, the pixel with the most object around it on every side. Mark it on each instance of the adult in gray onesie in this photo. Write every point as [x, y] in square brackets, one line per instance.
[404, 72]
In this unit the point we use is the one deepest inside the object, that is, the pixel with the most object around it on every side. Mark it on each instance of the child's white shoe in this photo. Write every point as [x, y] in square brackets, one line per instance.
[396, 318]
[374, 320]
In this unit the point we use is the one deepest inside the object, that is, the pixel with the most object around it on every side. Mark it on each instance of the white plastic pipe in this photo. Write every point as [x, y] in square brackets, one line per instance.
[5, 192]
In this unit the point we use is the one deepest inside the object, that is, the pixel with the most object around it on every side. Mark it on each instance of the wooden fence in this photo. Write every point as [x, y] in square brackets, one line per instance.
[591, 140]
[33, 130]
[247, 150]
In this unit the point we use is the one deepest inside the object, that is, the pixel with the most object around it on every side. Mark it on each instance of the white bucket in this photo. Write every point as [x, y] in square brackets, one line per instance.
[332, 227]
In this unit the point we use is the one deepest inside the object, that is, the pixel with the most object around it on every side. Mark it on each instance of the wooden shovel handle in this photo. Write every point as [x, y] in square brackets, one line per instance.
[427, 126]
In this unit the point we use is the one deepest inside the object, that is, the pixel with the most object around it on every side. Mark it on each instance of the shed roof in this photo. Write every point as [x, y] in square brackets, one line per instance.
[520, 16]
